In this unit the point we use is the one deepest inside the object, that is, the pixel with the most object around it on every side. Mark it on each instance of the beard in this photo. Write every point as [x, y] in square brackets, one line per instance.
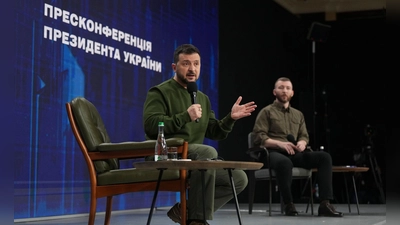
[182, 78]
[282, 99]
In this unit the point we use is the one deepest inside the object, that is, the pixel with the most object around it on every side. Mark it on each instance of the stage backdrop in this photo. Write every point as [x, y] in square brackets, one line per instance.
[110, 52]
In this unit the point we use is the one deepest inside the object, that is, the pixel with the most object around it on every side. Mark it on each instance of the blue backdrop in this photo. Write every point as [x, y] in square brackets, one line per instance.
[110, 52]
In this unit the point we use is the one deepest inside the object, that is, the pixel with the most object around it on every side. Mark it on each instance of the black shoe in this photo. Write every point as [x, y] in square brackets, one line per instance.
[175, 213]
[326, 209]
[290, 210]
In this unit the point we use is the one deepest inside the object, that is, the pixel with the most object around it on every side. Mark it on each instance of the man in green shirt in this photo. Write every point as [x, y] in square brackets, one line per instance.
[273, 127]
[171, 103]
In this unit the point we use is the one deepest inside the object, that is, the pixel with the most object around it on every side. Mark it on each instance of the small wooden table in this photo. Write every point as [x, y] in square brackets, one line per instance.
[345, 170]
[202, 166]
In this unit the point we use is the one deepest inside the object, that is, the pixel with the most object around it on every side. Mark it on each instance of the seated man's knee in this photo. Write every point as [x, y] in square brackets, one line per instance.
[203, 151]
[279, 161]
[241, 180]
[326, 157]
[210, 152]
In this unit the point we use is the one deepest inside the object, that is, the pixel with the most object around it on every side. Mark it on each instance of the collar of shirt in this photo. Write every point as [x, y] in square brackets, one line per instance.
[280, 106]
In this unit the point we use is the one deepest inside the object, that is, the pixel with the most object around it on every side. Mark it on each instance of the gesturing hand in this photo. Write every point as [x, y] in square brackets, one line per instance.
[239, 111]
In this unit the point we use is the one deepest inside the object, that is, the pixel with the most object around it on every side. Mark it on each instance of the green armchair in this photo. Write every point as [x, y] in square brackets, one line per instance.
[102, 159]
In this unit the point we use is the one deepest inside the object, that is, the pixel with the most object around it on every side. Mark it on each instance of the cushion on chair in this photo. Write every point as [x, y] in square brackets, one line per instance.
[93, 131]
[133, 175]
[89, 123]
[264, 173]
[129, 145]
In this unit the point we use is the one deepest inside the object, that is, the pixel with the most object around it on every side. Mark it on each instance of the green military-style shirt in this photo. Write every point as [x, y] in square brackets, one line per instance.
[168, 102]
[276, 122]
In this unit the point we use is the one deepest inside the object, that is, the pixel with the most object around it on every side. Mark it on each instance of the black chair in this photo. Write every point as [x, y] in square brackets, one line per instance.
[269, 174]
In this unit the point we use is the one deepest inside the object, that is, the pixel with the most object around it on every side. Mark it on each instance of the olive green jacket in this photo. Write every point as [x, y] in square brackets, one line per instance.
[168, 102]
[276, 122]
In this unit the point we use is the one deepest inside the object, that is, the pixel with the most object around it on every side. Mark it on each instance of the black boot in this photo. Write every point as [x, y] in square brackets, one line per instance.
[290, 210]
[326, 209]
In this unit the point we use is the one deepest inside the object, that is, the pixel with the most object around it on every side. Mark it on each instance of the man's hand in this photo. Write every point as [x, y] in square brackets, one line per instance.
[289, 147]
[194, 111]
[301, 146]
[240, 111]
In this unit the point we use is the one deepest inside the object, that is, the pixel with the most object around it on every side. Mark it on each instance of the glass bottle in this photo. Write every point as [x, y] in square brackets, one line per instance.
[160, 151]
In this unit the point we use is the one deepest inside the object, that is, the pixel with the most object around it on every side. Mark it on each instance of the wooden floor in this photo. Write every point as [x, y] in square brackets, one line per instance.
[369, 215]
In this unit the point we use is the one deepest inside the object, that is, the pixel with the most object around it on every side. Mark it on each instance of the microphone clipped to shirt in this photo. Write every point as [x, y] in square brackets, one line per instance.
[192, 89]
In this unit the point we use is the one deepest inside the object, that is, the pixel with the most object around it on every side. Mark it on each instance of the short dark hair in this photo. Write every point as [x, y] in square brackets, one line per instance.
[281, 79]
[185, 49]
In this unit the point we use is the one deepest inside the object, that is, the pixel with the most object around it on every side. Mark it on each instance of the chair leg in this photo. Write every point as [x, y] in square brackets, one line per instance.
[311, 196]
[108, 210]
[270, 196]
[252, 187]
[183, 207]
[92, 210]
[311, 200]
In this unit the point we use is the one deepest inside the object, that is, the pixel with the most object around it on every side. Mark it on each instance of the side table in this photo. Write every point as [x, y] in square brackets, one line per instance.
[345, 170]
[202, 166]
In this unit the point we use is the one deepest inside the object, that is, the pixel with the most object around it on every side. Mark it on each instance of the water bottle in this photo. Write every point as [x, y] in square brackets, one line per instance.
[316, 191]
[160, 151]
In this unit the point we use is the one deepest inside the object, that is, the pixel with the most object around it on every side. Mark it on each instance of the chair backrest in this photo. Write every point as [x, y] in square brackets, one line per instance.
[102, 156]
[92, 131]
[90, 123]
[250, 140]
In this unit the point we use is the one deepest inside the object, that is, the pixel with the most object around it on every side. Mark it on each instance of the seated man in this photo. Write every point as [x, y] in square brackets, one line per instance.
[171, 103]
[272, 126]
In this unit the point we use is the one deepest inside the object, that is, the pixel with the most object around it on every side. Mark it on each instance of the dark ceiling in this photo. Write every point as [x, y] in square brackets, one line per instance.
[333, 10]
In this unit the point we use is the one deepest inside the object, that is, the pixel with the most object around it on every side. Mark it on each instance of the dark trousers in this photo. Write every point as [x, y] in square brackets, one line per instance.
[283, 163]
